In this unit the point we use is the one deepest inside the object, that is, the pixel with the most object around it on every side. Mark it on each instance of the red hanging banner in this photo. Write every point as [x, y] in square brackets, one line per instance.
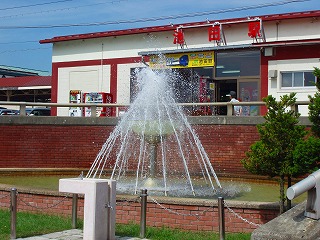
[254, 29]
[214, 33]
[178, 37]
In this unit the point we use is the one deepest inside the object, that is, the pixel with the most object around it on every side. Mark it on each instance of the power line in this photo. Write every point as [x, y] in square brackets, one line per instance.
[158, 18]
[61, 9]
[24, 50]
[34, 5]
[27, 41]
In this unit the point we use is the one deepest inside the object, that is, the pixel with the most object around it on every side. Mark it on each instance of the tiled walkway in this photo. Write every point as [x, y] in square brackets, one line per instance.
[73, 234]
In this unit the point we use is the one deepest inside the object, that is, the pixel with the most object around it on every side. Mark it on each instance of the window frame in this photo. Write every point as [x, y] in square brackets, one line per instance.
[293, 79]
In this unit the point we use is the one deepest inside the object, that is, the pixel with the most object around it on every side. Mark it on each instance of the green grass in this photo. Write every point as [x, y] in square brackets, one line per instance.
[164, 233]
[30, 224]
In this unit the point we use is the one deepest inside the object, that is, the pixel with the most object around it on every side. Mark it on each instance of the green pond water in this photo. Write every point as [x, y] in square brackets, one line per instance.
[251, 191]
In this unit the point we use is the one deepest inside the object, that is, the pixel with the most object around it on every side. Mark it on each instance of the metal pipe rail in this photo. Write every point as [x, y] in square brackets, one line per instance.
[143, 214]
[311, 184]
[23, 105]
[222, 228]
[13, 210]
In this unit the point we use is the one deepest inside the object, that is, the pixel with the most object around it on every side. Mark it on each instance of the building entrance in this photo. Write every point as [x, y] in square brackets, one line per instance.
[223, 87]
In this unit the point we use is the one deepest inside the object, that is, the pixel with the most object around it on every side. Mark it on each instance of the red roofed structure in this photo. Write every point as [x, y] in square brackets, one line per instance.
[26, 89]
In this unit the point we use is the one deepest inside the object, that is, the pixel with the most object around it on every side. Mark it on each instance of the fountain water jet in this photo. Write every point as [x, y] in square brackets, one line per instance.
[155, 142]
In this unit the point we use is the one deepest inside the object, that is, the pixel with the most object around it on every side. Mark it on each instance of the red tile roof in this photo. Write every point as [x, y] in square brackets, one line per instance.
[27, 81]
[271, 17]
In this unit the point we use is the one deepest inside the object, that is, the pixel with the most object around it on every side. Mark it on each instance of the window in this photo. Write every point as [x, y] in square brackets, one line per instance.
[238, 63]
[297, 79]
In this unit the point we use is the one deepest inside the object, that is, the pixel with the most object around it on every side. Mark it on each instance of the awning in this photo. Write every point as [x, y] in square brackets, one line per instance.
[188, 50]
[234, 47]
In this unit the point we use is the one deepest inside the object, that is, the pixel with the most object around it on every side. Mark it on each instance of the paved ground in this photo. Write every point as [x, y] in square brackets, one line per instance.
[73, 234]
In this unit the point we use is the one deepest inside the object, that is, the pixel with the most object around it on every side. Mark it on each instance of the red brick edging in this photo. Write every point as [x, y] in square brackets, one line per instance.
[187, 214]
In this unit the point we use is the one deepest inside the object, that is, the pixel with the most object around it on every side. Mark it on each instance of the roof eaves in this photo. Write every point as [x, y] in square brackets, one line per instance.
[272, 17]
[288, 43]
[109, 33]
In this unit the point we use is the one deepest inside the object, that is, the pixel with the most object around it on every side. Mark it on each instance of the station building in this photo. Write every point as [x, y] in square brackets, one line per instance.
[253, 56]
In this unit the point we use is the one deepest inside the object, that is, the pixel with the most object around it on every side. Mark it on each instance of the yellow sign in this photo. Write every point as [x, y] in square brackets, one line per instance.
[183, 60]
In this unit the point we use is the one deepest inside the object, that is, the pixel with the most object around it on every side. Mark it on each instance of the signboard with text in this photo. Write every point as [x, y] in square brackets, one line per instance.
[183, 60]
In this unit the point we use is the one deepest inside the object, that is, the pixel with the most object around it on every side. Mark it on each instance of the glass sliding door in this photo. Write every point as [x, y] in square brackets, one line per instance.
[249, 92]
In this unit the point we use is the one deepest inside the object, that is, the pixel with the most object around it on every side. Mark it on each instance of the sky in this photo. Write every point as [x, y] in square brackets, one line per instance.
[24, 23]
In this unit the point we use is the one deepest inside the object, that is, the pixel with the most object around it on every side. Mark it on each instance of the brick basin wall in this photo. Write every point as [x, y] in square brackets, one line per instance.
[64, 143]
[55, 143]
[186, 214]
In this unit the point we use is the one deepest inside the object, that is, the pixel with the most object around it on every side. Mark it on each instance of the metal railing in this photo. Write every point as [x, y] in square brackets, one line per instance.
[143, 214]
[311, 184]
[23, 105]
[14, 210]
[221, 206]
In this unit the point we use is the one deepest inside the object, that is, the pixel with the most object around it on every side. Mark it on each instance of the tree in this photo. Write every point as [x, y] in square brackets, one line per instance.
[272, 155]
[314, 106]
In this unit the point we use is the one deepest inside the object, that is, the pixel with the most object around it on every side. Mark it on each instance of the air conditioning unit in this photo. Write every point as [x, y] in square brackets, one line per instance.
[268, 51]
[273, 74]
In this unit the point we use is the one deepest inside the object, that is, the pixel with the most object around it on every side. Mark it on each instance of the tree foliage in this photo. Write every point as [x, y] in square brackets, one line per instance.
[307, 152]
[306, 156]
[314, 106]
[272, 155]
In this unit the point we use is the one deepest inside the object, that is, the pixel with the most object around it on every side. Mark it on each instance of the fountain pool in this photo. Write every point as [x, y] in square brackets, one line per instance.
[262, 191]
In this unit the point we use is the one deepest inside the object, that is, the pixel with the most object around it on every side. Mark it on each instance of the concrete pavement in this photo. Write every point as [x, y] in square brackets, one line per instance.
[73, 234]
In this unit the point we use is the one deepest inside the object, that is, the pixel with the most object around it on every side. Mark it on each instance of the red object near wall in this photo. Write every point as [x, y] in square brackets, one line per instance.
[214, 33]
[98, 97]
[178, 37]
[254, 29]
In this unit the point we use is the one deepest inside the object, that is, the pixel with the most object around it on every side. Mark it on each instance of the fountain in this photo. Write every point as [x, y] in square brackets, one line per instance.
[153, 146]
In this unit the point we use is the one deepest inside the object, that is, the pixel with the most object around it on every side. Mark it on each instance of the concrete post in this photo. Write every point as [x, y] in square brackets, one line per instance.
[229, 109]
[99, 205]
[93, 111]
[23, 110]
